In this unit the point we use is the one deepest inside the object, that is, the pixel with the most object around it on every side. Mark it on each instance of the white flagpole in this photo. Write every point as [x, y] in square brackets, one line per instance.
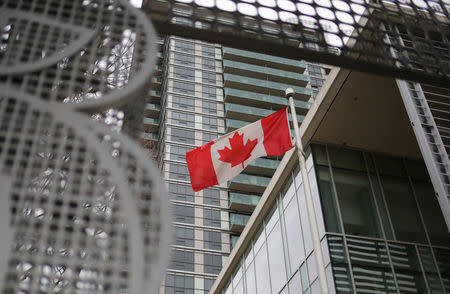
[309, 202]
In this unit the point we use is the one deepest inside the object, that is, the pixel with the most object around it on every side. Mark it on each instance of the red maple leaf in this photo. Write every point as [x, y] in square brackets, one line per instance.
[238, 152]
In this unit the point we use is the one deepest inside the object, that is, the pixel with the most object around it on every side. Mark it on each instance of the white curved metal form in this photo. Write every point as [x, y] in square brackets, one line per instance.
[36, 42]
[89, 212]
[90, 55]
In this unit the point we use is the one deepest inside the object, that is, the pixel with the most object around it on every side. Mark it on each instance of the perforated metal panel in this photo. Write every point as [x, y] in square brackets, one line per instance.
[88, 210]
[89, 54]
[83, 209]
[346, 33]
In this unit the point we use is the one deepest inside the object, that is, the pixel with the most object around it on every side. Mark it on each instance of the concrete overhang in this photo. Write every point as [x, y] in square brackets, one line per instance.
[361, 111]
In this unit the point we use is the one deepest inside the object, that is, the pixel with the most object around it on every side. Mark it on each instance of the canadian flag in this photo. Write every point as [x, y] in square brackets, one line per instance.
[222, 159]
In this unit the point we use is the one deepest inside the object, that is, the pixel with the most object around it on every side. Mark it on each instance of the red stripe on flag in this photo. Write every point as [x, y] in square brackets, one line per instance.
[201, 168]
[277, 137]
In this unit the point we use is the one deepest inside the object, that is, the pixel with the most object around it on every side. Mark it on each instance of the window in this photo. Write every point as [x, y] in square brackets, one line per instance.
[184, 214]
[209, 92]
[185, 46]
[183, 87]
[176, 284]
[184, 237]
[262, 271]
[212, 263]
[316, 83]
[178, 152]
[184, 59]
[211, 217]
[208, 77]
[181, 192]
[184, 73]
[208, 64]
[276, 258]
[183, 119]
[329, 205]
[178, 172]
[357, 203]
[211, 196]
[183, 136]
[314, 70]
[208, 137]
[208, 51]
[209, 123]
[212, 240]
[404, 213]
[182, 260]
[209, 107]
[431, 212]
[185, 103]
[208, 284]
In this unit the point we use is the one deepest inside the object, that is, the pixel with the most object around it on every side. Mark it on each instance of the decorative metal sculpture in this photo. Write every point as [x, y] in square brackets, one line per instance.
[84, 209]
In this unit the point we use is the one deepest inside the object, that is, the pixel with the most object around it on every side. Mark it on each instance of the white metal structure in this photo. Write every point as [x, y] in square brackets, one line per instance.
[84, 209]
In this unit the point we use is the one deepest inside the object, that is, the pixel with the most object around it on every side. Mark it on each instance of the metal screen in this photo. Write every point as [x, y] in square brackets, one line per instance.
[346, 33]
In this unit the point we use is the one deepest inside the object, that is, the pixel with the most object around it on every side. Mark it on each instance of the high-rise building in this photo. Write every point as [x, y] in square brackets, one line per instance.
[201, 91]
[380, 224]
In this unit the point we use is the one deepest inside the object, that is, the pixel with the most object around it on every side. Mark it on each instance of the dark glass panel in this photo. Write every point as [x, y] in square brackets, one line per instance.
[327, 198]
[407, 268]
[403, 210]
[431, 213]
[347, 159]
[320, 155]
[430, 268]
[443, 262]
[357, 205]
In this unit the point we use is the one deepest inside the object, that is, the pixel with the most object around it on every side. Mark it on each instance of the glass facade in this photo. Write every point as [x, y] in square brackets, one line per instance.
[189, 106]
[280, 259]
[380, 226]
[254, 86]
[192, 113]
[383, 223]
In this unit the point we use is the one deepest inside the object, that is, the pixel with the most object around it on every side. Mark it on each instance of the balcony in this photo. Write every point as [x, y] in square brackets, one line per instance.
[155, 93]
[258, 58]
[150, 124]
[262, 100]
[233, 240]
[248, 113]
[243, 202]
[149, 136]
[238, 222]
[264, 86]
[233, 124]
[262, 166]
[264, 72]
[152, 110]
[156, 83]
[249, 183]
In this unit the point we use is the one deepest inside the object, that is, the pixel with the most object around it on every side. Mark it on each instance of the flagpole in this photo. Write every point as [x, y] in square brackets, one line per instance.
[309, 202]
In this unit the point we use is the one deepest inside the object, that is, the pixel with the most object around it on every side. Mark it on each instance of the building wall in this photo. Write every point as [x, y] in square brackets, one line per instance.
[254, 87]
[381, 229]
[192, 102]
[191, 115]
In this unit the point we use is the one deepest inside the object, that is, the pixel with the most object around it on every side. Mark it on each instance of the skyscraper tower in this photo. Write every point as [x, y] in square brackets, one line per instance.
[201, 91]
